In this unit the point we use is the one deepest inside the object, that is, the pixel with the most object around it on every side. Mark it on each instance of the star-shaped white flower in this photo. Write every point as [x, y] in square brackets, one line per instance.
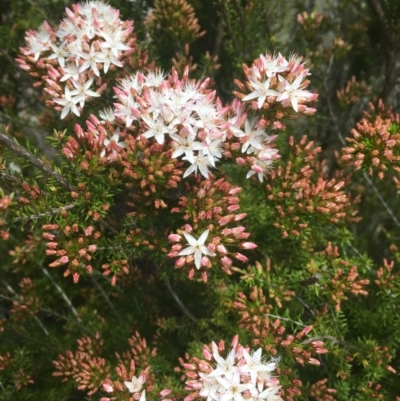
[292, 91]
[196, 247]
[254, 364]
[261, 91]
[69, 104]
[135, 385]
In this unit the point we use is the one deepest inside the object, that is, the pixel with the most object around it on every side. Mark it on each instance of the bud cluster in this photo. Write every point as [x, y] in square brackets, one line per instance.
[374, 145]
[300, 196]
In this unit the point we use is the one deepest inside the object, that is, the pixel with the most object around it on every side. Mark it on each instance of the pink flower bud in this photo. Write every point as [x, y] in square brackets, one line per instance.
[225, 220]
[188, 228]
[226, 261]
[240, 216]
[240, 257]
[207, 354]
[89, 230]
[321, 351]
[221, 249]
[248, 245]
[67, 152]
[64, 260]
[174, 238]
[180, 262]
[107, 388]
[235, 191]
[92, 248]
[313, 361]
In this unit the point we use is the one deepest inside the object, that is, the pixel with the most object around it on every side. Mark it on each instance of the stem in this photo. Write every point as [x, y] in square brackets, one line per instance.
[23, 152]
[107, 298]
[8, 177]
[49, 213]
[180, 303]
[40, 324]
[286, 319]
[63, 294]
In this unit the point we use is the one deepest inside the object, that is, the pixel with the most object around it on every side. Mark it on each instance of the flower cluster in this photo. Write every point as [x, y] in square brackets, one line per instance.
[274, 79]
[241, 375]
[180, 113]
[186, 117]
[89, 41]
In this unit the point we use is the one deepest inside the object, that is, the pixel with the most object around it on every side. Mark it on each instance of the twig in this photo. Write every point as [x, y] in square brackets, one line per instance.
[21, 151]
[8, 177]
[63, 294]
[40, 324]
[331, 338]
[107, 298]
[49, 213]
[286, 319]
[180, 303]
[305, 305]
[35, 340]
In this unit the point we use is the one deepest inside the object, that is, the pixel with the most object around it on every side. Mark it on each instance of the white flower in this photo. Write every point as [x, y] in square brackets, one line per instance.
[186, 145]
[200, 162]
[292, 92]
[60, 53]
[210, 388]
[135, 385]
[109, 58]
[82, 90]
[212, 149]
[255, 365]
[154, 78]
[113, 41]
[157, 128]
[90, 60]
[107, 114]
[38, 42]
[196, 247]
[261, 91]
[233, 388]
[71, 70]
[112, 143]
[225, 367]
[252, 137]
[69, 104]
[273, 65]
